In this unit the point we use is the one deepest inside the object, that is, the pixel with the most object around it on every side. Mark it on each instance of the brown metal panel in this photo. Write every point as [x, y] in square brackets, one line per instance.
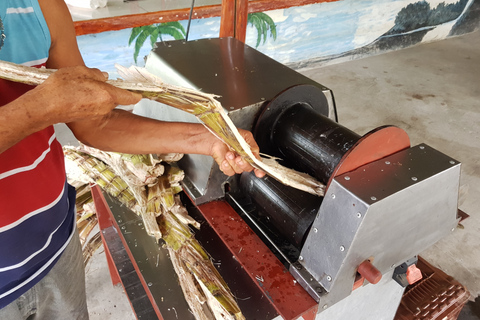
[284, 293]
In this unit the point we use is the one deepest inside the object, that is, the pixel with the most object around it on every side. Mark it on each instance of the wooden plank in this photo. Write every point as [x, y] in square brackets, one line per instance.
[144, 19]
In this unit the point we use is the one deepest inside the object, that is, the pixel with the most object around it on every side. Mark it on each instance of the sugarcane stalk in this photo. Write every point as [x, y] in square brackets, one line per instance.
[151, 226]
[204, 106]
[93, 244]
[85, 232]
[199, 279]
[99, 173]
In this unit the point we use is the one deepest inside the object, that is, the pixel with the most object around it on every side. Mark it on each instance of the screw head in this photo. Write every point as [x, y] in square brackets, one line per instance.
[342, 248]
[347, 178]
[414, 178]
[315, 230]
[359, 215]
[300, 258]
[333, 196]
[329, 278]
[325, 306]
[387, 162]
[373, 198]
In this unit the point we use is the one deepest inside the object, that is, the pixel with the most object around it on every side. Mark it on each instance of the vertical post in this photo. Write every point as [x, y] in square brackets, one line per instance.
[233, 22]
[241, 17]
[227, 20]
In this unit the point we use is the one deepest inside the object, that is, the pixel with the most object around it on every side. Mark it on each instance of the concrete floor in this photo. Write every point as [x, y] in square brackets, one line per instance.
[432, 91]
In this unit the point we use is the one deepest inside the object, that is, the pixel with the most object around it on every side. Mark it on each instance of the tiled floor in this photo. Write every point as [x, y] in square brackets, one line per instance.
[433, 92]
[116, 8]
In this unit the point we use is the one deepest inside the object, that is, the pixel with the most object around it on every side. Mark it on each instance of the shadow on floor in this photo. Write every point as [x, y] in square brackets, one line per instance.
[471, 311]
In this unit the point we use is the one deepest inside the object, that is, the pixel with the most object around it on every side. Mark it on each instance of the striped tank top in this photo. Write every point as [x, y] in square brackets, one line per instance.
[37, 206]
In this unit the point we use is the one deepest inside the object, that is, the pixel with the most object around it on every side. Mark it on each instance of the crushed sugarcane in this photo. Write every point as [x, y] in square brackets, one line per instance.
[207, 295]
[204, 106]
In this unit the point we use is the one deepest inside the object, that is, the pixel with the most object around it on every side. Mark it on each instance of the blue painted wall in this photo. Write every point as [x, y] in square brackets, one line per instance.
[317, 34]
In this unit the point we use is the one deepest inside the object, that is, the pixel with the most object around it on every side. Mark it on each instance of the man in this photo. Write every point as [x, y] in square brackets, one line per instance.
[41, 270]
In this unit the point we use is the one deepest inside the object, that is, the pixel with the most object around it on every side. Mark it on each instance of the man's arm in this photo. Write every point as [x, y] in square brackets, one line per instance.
[125, 132]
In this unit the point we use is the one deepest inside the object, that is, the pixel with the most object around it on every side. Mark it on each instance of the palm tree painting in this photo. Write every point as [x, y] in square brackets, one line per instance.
[154, 32]
[262, 22]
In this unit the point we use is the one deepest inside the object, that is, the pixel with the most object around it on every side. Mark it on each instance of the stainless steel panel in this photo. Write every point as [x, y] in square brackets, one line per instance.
[153, 261]
[386, 211]
[244, 79]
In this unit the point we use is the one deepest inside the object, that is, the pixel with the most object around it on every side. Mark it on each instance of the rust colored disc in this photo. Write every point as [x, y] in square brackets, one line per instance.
[377, 144]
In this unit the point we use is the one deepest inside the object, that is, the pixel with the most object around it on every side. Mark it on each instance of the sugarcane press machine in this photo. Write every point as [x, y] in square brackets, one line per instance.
[287, 254]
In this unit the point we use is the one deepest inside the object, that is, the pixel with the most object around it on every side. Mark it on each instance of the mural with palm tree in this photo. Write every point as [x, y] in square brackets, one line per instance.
[261, 21]
[154, 32]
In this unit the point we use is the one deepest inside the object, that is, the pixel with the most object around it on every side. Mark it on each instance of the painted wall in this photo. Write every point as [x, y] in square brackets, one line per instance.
[318, 34]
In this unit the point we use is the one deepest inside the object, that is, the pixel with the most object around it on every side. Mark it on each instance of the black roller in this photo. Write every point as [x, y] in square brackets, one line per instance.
[294, 127]
[311, 142]
[289, 210]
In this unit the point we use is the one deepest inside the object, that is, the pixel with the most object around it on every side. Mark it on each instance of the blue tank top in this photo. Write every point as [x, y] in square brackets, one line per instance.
[37, 206]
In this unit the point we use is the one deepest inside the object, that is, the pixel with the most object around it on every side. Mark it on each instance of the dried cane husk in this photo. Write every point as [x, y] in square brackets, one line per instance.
[202, 105]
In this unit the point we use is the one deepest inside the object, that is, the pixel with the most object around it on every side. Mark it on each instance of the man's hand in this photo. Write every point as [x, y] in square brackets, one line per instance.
[77, 93]
[229, 162]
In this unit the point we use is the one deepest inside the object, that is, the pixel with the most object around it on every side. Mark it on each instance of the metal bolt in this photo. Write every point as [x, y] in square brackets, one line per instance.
[333, 196]
[329, 278]
[347, 178]
[342, 248]
[422, 147]
[300, 258]
[359, 215]
[319, 290]
[452, 162]
[414, 178]
[373, 198]
[387, 162]
[453, 229]
[150, 284]
[315, 230]
[325, 306]
[298, 266]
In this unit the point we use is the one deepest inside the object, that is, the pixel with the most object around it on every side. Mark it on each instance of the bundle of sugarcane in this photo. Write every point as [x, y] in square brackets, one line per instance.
[205, 291]
[204, 106]
[86, 219]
